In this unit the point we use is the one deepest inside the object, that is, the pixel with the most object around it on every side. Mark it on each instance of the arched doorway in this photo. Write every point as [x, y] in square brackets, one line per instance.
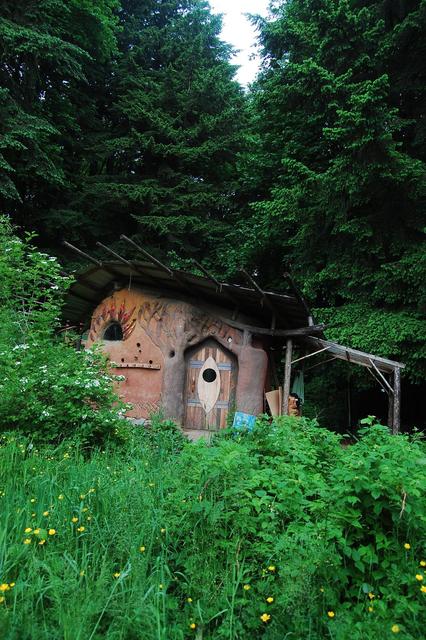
[210, 383]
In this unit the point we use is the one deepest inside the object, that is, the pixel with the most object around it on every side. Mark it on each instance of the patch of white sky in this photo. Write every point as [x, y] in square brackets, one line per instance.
[241, 34]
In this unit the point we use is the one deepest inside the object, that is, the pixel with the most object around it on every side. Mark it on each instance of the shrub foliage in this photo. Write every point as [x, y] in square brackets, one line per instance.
[48, 389]
[274, 534]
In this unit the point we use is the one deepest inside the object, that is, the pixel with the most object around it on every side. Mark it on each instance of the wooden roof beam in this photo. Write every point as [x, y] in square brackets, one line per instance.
[355, 356]
[129, 264]
[299, 296]
[279, 333]
[151, 258]
[95, 261]
[263, 297]
[219, 286]
[175, 276]
[208, 275]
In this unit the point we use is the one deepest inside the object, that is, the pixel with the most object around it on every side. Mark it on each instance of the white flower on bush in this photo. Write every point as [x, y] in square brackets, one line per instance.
[45, 413]
[93, 383]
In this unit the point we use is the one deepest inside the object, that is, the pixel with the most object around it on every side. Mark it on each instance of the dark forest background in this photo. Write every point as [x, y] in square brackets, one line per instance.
[123, 116]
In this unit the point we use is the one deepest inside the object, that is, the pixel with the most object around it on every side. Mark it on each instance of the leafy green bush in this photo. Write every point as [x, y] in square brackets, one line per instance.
[319, 528]
[49, 391]
[277, 533]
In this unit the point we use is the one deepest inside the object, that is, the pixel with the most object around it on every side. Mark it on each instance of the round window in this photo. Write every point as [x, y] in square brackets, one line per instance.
[209, 375]
[113, 332]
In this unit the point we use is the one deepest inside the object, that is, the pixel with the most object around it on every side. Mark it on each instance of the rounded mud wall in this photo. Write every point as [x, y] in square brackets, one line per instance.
[137, 357]
[147, 338]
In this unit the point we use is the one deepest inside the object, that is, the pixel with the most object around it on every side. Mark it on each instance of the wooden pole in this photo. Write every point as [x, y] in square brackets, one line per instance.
[396, 400]
[390, 403]
[287, 376]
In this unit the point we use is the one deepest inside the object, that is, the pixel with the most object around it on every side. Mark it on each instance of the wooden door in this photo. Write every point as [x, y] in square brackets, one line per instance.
[211, 378]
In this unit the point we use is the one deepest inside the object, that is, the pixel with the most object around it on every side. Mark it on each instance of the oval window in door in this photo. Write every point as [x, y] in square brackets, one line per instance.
[208, 384]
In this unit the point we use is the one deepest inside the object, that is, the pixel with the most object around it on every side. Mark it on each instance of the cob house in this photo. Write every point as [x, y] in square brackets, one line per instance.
[198, 349]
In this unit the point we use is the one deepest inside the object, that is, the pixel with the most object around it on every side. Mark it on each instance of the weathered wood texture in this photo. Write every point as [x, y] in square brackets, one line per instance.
[195, 416]
[208, 385]
[287, 377]
[390, 403]
[354, 355]
[278, 333]
[396, 400]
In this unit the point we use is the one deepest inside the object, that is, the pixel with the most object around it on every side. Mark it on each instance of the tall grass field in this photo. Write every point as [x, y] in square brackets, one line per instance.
[279, 533]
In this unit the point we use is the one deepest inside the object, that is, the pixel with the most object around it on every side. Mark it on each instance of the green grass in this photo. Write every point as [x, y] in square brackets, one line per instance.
[173, 532]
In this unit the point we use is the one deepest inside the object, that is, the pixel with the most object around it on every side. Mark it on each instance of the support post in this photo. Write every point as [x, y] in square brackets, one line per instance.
[390, 403]
[396, 400]
[287, 376]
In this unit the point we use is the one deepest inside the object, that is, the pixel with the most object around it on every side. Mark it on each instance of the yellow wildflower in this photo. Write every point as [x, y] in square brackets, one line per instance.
[89, 518]
[36, 531]
[33, 515]
[81, 529]
[117, 574]
[160, 586]
[189, 600]
[11, 585]
[42, 541]
[395, 628]
[27, 541]
[66, 455]
[4, 587]
[32, 500]
[322, 589]
[45, 513]
[272, 568]
[265, 617]
[52, 532]
[61, 496]
[419, 577]
[85, 509]
[422, 563]
[246, 587]
[162, 530]
[407, 546]
[370, 609]
[74, 519]
[371, 596]
[92, 490]
[82, 572]
[270, 599]
[82, 496]
[142, 549]
[331, 614]
[423, 588]
[28, 530]
[192, 625]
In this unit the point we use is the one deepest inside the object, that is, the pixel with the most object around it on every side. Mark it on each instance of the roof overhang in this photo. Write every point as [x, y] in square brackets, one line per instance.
[353, 355]
[272, 309]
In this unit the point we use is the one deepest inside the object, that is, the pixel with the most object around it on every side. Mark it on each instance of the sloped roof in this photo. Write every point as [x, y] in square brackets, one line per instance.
[354, 355]
[96, 283]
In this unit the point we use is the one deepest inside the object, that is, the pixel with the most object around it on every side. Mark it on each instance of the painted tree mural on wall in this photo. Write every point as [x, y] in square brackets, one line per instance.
[175, 327]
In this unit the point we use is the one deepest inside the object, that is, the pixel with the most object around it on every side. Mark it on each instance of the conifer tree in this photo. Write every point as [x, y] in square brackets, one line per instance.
[164, 168]
[46, 52]
[340, 166]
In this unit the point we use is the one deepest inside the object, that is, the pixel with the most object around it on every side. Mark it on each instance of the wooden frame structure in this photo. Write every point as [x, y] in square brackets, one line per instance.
[377, 367]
